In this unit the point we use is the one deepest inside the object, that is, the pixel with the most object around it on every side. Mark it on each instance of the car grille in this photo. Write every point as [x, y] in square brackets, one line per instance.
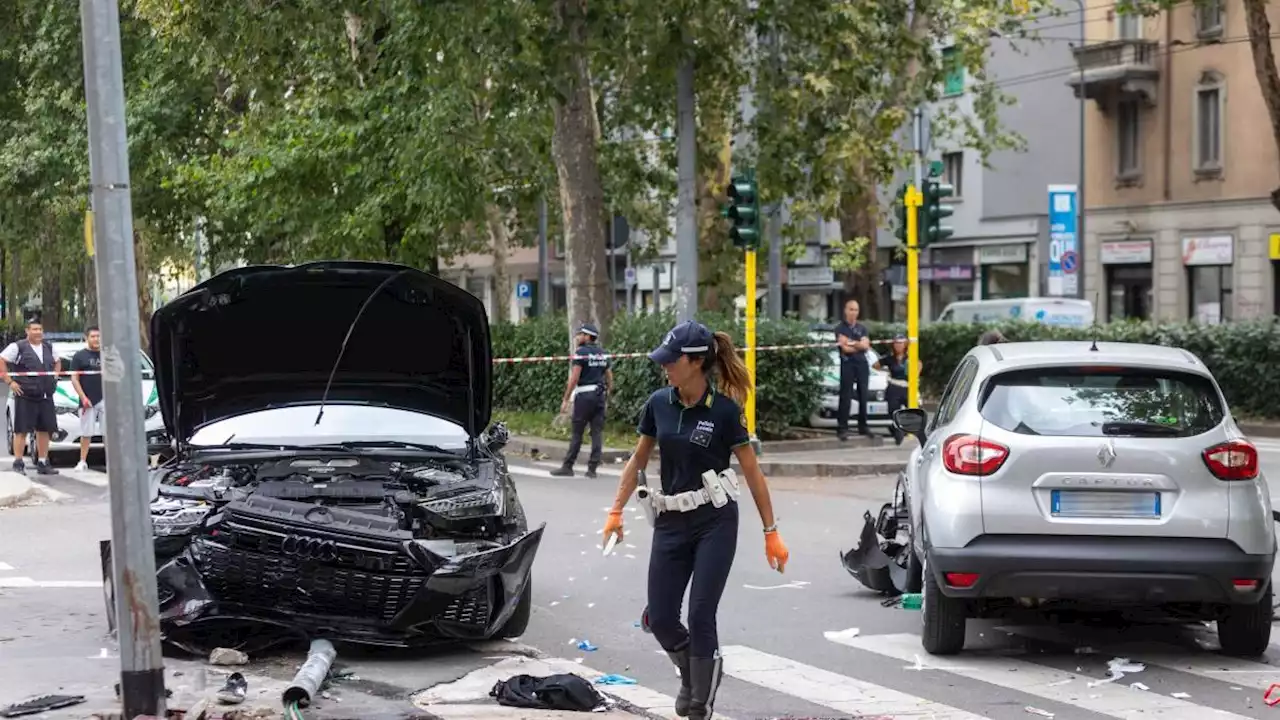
[303, 586]
[472, 608]
[347, 554]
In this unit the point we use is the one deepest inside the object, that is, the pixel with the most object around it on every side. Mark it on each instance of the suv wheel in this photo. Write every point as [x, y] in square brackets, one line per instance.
[944, 618]
[1245, 630]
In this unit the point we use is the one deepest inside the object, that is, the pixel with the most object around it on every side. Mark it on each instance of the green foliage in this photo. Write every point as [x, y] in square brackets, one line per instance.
[1241, 355]
[789, 381]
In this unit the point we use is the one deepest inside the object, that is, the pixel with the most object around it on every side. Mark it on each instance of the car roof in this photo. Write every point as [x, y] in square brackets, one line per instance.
[1009, 356]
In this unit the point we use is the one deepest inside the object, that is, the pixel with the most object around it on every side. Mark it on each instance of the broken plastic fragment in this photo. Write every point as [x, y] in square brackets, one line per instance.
[1038, 711]
[1181, 695]
[587, 646]
[838, 635]
[614, 680]
[1138, 686]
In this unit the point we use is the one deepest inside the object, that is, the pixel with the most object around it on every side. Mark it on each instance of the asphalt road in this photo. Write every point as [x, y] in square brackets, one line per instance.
[789, 642]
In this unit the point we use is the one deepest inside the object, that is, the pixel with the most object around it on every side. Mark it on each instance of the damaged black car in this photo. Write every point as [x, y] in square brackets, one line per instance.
[324, 482]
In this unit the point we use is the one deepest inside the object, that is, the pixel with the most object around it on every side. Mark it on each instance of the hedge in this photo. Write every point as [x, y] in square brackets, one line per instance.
[788, 382]
[1242, 355]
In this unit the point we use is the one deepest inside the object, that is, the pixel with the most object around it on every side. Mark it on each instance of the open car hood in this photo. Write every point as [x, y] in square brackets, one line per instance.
[270, 335]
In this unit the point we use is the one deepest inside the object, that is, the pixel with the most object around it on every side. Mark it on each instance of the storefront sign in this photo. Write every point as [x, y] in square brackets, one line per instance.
[1208, 250]
[812, 255]
[1002, 254]
[810, 276]
[944, 273]
[1126, 252]
[1063, 281]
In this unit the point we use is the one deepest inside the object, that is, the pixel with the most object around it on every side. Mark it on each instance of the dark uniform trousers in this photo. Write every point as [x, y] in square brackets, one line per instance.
[588, 411]
[854, 371]
[701, 544]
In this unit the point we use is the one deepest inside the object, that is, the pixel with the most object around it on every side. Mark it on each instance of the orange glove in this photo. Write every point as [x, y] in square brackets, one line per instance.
[775, 551]
[612, 525]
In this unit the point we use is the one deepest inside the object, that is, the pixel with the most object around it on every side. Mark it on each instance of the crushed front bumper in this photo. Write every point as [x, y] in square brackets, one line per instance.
[310, 571]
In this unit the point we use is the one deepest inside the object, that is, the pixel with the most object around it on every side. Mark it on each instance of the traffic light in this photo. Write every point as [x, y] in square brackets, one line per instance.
[932, 230]
[744, 211]
[900, 214]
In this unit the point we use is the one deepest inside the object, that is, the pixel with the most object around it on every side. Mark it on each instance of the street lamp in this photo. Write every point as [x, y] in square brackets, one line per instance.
[1080, 190]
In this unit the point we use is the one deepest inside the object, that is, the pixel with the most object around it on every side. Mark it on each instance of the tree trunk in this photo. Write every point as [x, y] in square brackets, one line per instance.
[51, 281]
[857, 219]
[719, 262]
[1264, 67]
[90, 292]
[144, 291]
[499, 240]
[575, 149]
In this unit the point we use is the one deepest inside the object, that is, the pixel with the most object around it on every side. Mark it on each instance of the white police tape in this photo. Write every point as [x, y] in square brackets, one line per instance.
[633, 355]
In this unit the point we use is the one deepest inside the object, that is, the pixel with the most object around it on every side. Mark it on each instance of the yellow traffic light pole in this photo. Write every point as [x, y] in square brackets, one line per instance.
[913, 200]
[750, 409]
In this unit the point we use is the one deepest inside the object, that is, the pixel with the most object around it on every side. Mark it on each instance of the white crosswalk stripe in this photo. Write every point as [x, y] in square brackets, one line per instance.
[994, 680]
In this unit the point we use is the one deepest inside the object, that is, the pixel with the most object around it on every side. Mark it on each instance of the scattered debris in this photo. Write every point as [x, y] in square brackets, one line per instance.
[1138, 686]
[41, 704]
[1038, 711]
[1117, 667]
[565, 691]
[1271, 697]
[1180, 695]
[841, 634]
[311, 675]
[794, 585]
[614, 680]
[586, 646]
[233, 691]
[227, 656]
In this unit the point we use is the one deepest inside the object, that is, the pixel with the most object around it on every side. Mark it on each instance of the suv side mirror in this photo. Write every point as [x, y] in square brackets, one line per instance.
[496, 437]
[913, 421]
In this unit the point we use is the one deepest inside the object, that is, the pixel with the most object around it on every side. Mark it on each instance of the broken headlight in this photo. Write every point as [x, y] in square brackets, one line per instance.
[177, 517]
[475, 504]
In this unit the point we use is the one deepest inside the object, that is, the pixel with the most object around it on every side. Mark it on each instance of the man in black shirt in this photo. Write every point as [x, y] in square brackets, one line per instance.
[854, 342]
[590, 382]
[89, 390]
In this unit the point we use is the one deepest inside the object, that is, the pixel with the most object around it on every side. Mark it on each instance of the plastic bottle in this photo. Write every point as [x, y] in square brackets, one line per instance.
[911, 601]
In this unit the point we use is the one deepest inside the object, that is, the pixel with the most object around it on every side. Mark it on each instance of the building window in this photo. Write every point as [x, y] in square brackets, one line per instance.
[1210, 293]
[1208, 150]
[1128, 26]
[953, 173]
[1129, 292]
[1128, 139]
[954, 69]
[1209, 19]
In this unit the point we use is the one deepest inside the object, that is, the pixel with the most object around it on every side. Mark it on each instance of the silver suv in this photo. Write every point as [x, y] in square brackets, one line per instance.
[1097, 474]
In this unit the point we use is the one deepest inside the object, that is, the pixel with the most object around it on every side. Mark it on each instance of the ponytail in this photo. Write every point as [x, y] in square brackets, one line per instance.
[734, 381]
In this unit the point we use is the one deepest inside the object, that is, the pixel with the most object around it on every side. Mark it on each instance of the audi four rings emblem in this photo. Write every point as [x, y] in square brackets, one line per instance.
[310, 548]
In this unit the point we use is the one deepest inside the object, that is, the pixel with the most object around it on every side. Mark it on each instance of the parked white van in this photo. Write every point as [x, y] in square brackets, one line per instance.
[1067, 312]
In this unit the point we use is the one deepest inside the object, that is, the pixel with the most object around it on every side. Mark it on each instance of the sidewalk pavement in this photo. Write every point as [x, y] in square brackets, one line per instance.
[817, 457]
[14, 488]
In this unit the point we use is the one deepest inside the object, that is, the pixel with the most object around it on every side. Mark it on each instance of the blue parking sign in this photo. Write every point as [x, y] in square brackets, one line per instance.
[524, 290]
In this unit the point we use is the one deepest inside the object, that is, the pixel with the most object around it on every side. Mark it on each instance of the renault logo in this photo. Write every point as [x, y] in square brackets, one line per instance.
[1107, 454]
[309, 548]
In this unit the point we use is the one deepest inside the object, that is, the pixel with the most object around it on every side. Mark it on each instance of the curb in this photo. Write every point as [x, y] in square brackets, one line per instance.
[14, 489]
[1266, 430]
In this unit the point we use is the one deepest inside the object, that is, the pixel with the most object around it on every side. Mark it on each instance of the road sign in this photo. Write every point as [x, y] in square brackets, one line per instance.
[1069, 262]
[1062, 240]
[630, 277]
[524, 290]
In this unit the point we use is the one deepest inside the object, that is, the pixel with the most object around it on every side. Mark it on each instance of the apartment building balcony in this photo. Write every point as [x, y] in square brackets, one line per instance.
[1117, 70]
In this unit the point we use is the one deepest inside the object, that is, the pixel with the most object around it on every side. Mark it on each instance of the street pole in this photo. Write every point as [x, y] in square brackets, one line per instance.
[686, 213]
[613, 265]
[132, 547]
[657, 290]
[628, 278]
[775, 262]
[544, 273]
[1081, 263]
[751, 342]
[912, 201]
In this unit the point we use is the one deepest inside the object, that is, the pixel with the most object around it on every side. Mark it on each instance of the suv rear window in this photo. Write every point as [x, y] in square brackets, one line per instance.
[1099, 402]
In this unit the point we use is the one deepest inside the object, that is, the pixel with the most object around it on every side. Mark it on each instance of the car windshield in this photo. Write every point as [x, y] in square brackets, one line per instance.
[66, 351]
[297, 425]
[1097, 402]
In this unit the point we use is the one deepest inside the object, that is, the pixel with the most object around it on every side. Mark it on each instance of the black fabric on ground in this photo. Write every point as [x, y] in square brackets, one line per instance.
[554, 692]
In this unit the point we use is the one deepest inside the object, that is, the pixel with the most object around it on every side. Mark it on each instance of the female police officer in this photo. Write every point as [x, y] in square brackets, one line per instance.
[696, 425]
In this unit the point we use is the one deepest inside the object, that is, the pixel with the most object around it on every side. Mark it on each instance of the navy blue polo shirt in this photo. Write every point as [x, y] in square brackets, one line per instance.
[593, 361]
[854, 332]
[693, 439]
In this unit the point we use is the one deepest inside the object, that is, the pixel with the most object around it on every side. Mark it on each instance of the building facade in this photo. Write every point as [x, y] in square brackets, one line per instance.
[1179, 225]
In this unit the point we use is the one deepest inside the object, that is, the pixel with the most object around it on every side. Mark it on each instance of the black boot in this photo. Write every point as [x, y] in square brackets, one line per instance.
[591, 471]
[563, 471]
[705, 681]
[681, 660]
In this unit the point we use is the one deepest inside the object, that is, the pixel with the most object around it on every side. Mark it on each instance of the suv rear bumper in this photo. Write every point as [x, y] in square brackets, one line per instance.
[1136, 570]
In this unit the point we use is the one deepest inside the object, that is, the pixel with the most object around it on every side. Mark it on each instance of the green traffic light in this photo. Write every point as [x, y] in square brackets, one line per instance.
[744, 211]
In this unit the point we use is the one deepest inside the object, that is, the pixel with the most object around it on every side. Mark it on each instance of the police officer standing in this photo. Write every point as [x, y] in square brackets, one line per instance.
[854, 342]
[697, 424]
[33, 409]
[590, 383]
[895, 394]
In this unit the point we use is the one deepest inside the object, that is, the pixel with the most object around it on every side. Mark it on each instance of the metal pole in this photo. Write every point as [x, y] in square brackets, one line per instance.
[912, 201]
[751, 343]
[544, 273]
[775, 262]
[657, 289]
[132, 545]
[1080, 188]
[613, 265]
[686, 213]
[626, 275]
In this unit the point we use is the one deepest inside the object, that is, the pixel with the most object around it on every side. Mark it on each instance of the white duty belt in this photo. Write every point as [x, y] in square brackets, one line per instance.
[899, 383]
[719, 489]
[584, 388]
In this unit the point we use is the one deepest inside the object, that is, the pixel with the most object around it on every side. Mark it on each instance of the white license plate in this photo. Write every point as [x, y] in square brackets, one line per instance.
[877, 408]
[1105, 504]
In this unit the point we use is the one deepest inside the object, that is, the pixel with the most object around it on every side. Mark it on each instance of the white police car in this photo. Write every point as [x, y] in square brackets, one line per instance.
[824, 416]
[67, 405]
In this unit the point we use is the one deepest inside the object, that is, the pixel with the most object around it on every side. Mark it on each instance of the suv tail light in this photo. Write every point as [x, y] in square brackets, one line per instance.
[1233, 460]
[971, 455]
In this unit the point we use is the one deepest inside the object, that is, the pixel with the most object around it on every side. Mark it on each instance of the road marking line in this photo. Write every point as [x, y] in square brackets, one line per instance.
[523, 470]
[1116, 699]
[6, 567]
[822, 687]
[26, 582]
[1209, 665]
